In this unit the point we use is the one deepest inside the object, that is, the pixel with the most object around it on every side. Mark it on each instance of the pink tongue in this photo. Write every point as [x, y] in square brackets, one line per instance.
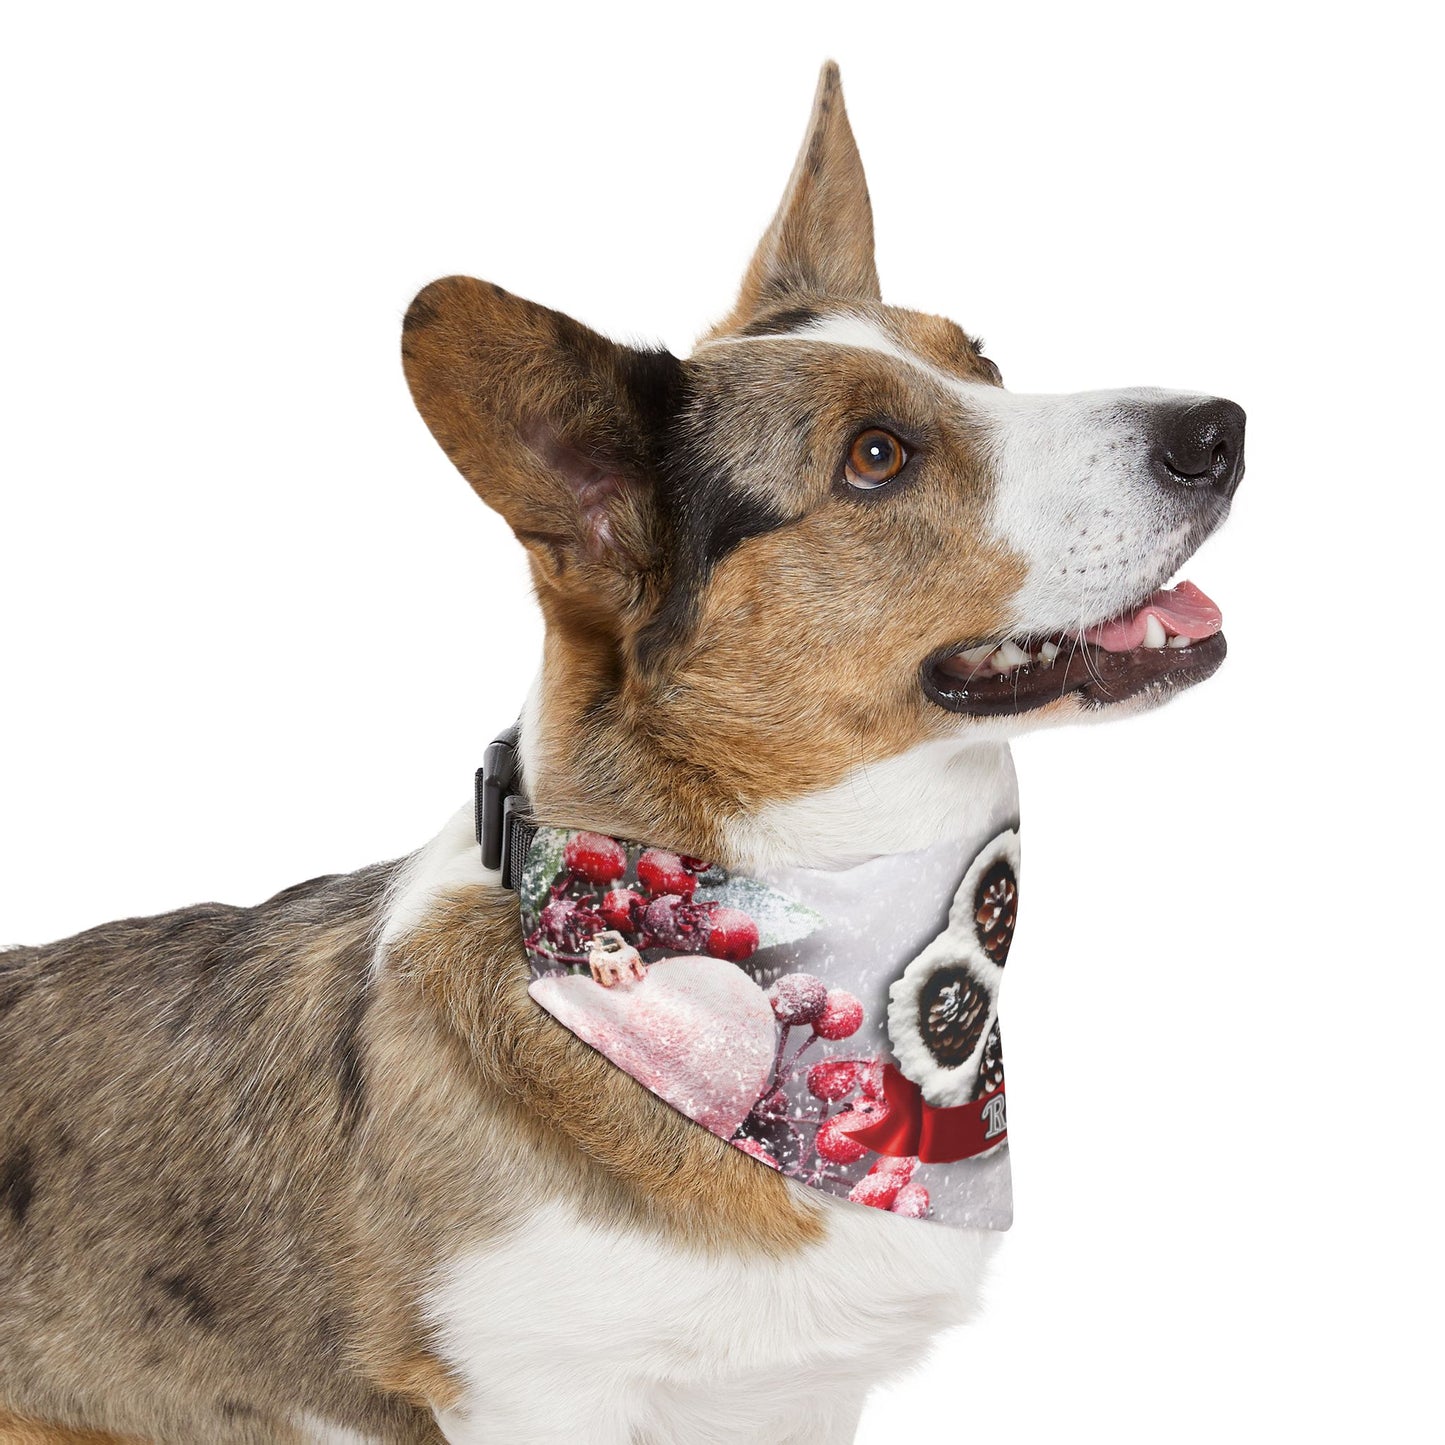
[1183, 611]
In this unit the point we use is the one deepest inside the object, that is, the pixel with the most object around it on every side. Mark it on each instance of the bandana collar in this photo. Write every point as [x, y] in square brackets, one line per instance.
[838, 1025]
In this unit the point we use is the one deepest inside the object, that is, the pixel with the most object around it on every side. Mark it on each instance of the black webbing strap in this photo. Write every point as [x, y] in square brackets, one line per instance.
[504, 832]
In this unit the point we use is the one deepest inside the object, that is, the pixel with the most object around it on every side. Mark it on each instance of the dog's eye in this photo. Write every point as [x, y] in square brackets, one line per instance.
[876, 457]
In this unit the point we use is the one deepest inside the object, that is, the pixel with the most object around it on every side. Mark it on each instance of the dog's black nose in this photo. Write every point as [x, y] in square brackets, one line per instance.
[1200, 443]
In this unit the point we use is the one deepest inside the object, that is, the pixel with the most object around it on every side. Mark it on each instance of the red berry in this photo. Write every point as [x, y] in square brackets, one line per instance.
[621, 909]
[872, 1081]
[734, 935]
[841, 1015]
[835, 1139]
[595, 857]
[832, 1079]
[913, 1202]
[670, 922]
[877, 1190]
[662, 872]
[751, 1146]
[797, 998]
[899, 1170]
[567, 924]
[835, 1145]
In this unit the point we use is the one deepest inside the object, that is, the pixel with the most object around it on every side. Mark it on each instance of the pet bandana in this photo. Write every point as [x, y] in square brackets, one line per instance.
[840, 1026]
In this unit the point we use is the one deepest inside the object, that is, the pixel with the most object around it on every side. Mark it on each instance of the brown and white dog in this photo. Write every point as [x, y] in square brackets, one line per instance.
[320, 1170]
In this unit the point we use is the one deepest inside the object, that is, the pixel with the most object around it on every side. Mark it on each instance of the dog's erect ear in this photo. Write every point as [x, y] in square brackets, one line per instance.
[558, 428]
[820, 243]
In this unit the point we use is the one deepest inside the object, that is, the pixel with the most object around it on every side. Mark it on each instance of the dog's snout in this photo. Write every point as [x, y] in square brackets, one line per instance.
[1200, 443]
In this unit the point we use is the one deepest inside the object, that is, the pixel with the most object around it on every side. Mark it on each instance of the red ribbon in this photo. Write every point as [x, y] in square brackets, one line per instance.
[936, 1136]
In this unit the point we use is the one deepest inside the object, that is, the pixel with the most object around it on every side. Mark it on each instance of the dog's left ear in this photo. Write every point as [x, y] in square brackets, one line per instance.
[820, 244]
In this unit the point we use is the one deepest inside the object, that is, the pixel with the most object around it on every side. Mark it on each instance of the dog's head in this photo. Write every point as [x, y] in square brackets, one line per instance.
[829, 535]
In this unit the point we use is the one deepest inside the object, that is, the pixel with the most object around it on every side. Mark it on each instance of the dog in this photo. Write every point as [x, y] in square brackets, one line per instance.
[323, 1170]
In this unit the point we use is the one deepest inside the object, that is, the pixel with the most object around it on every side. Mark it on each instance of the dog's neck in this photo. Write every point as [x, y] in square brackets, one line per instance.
[581, 776]
[938, 794]
[598, 769]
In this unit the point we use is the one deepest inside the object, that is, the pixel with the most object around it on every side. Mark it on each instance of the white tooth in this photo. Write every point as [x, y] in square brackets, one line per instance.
[975, 655]
[1180, 641]
[1013, 655]
[996, 662]
[1154, 635]
[1049, 651]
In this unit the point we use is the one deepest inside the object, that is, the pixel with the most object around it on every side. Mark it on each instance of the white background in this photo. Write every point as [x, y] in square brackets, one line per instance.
[256, 629]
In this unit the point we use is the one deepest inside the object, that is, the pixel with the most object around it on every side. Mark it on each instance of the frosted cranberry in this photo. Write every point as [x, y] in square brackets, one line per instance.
[662, 872]
[835, 1139]
[621, 909]
[899, 1170]
[567, 924]
[835, 1145]
[751, 1146]
[733, 935]
[840, 1016]
[797, 998]
[878, 1191]
[671, 922]
[832, 1079]
[595, 857]
[871, 1084]
[913, 1202]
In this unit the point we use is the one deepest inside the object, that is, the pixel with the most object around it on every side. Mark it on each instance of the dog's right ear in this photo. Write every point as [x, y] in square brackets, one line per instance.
[820, 243]
[558, 428]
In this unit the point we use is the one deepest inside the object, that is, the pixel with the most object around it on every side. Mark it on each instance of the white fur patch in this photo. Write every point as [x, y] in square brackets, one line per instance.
[573, 1330]
[935, 791]
[451, 860]
[1074, 494]
[323, 1432]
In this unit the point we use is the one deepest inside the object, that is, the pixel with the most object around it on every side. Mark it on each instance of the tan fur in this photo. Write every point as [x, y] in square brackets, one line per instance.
[14, 1431]
[660, 1169]
[186, 1125]
[420, 1378]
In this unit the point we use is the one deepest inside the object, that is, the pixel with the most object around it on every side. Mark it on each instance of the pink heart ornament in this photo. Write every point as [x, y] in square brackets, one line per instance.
[696, 1031]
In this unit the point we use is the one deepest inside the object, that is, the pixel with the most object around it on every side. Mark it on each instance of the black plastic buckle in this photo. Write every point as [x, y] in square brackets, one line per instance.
[501, 808]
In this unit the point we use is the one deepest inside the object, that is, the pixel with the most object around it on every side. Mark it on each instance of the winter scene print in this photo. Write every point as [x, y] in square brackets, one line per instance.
[807, 1018]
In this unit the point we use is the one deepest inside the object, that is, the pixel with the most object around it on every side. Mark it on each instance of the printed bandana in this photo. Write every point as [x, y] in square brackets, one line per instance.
[840, 1026]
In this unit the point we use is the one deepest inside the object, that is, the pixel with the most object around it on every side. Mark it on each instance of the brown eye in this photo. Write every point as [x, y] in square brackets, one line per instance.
[875, 457]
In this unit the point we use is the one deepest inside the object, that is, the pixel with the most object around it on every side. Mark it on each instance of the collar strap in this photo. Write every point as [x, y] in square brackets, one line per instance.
[504, 830]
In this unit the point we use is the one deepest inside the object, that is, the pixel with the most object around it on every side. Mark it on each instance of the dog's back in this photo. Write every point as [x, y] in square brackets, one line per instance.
[182, 1097]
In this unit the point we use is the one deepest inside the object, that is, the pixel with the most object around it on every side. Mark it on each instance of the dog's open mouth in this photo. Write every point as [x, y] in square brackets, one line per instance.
[1171, 640]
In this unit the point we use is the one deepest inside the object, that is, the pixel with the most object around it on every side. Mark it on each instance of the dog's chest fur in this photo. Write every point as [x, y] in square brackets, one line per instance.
[571, 1329]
